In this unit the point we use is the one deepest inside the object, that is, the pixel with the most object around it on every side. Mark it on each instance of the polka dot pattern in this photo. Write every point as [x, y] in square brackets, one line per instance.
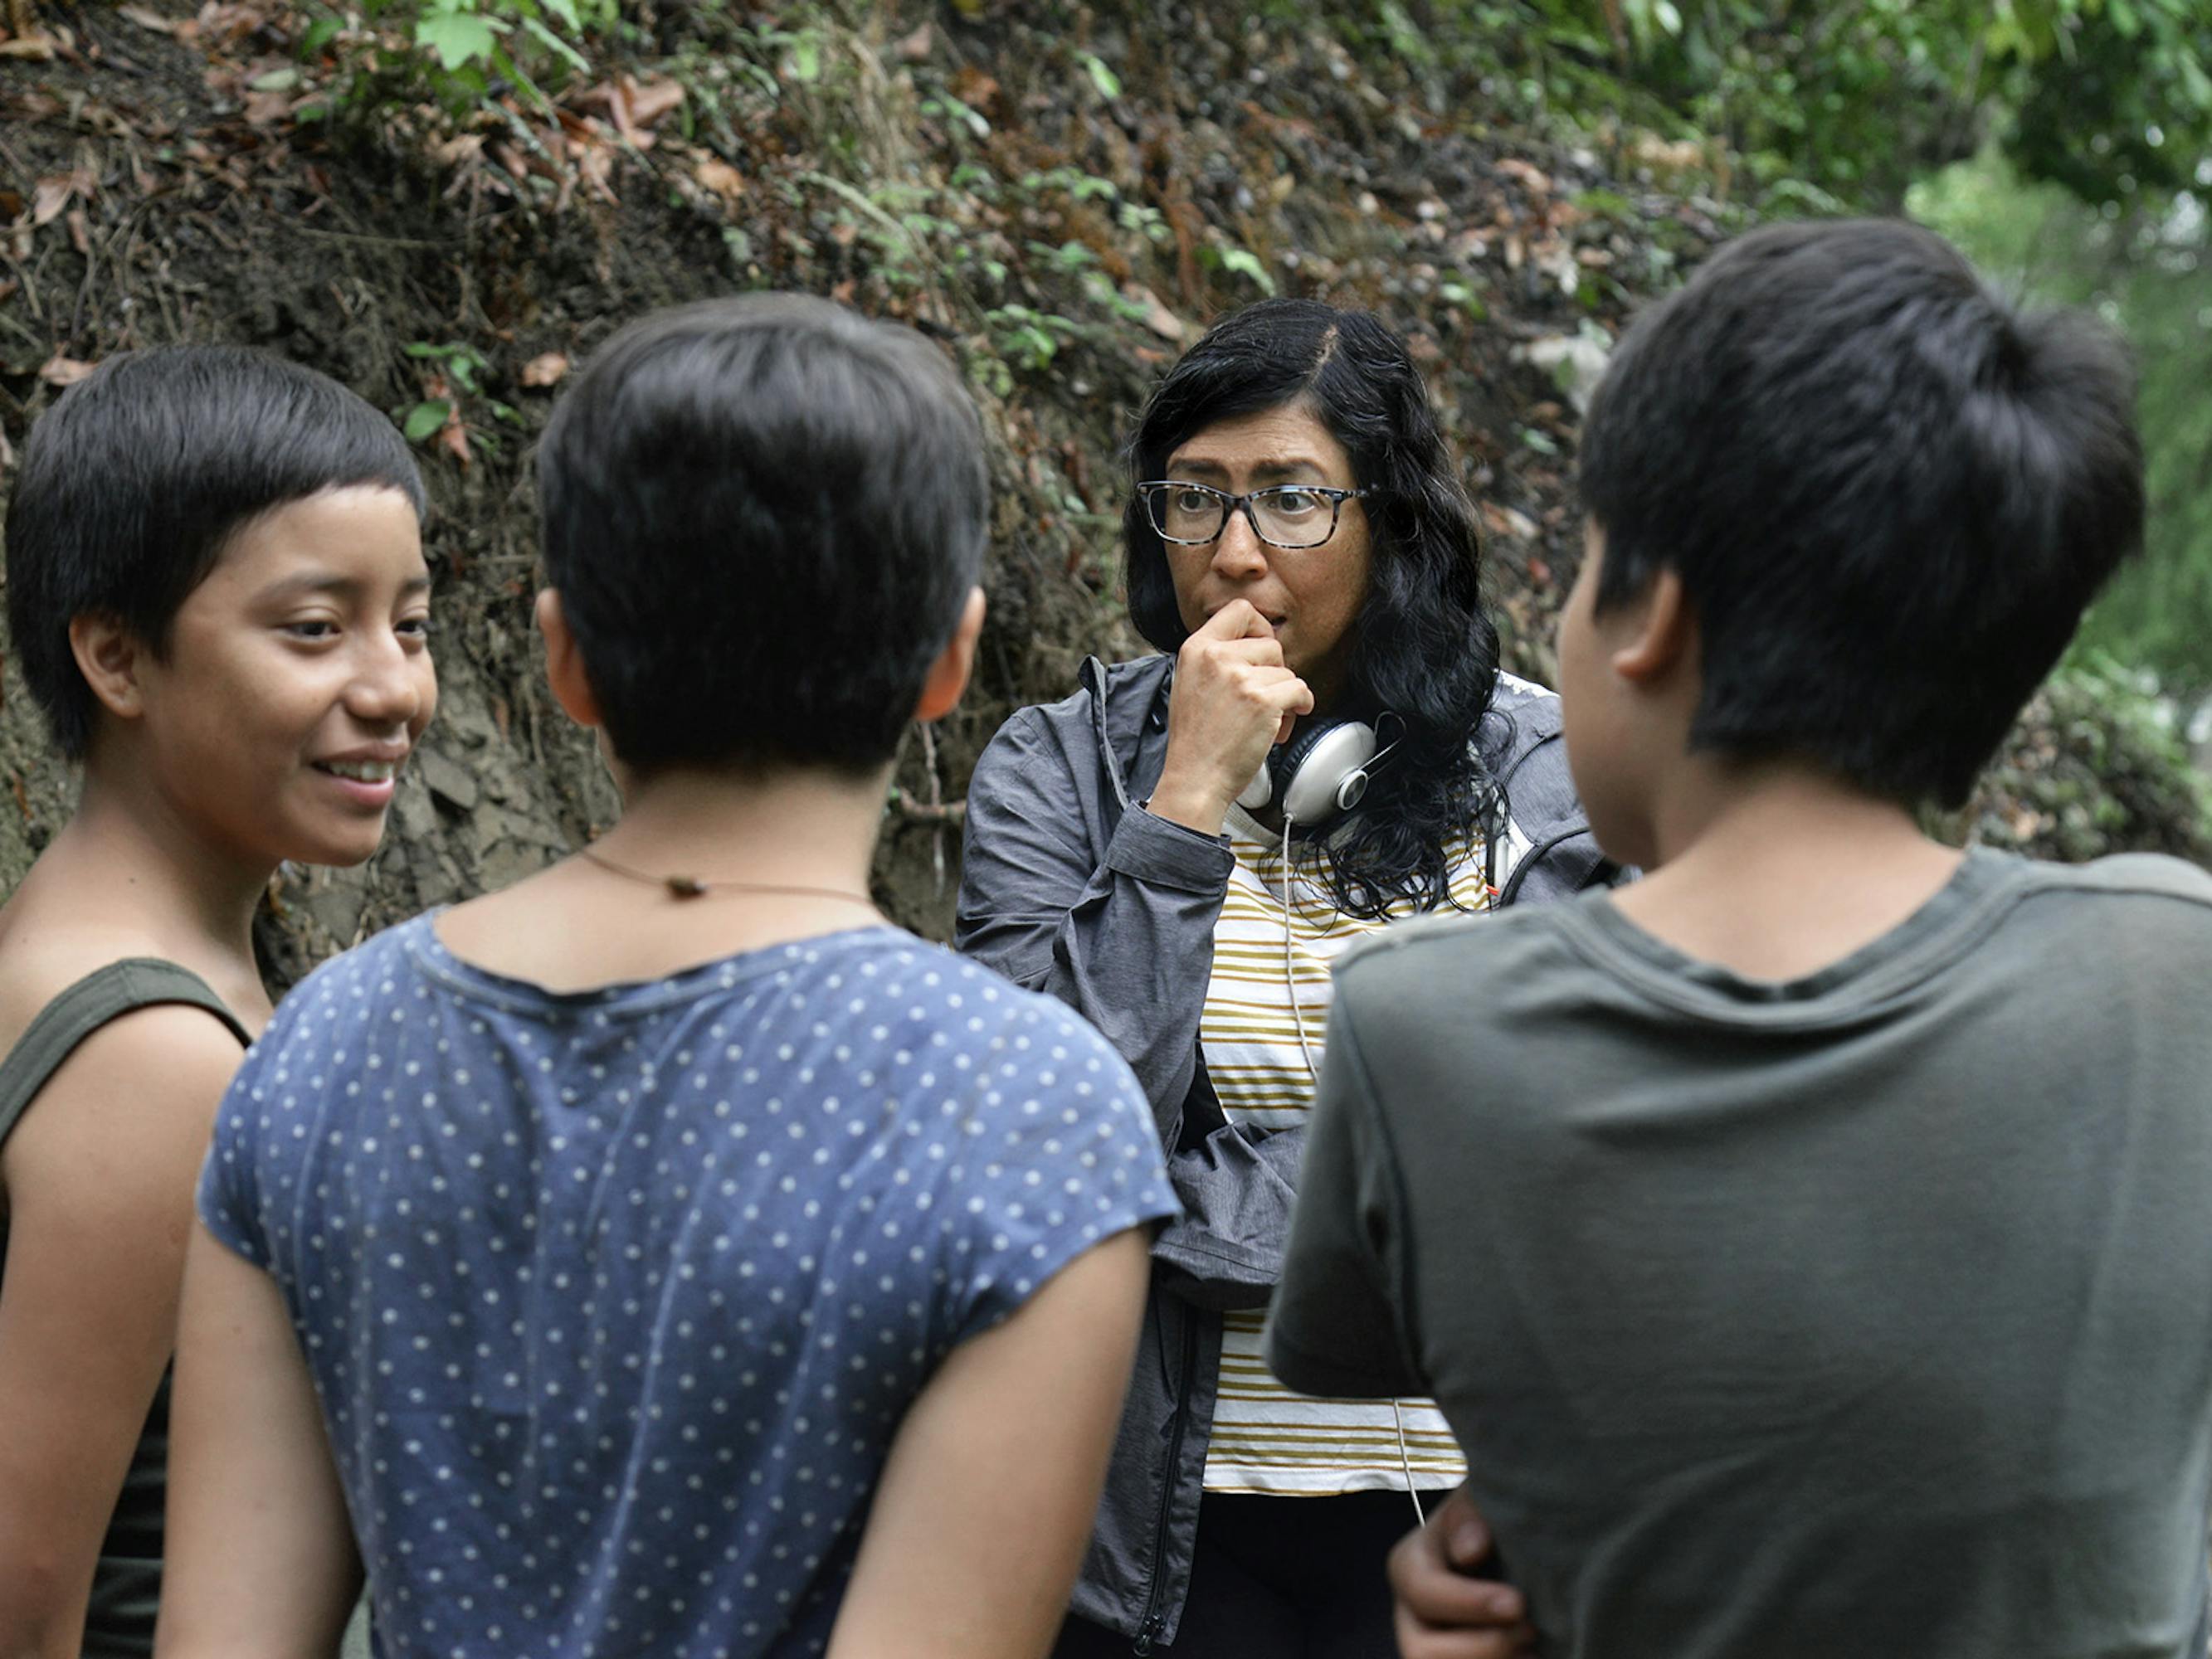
[615, 1300]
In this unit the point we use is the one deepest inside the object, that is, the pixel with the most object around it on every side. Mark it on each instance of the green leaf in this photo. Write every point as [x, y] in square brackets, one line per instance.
[555, 45]
[503, 63]
[1103, 77]
[565, 11]
[425, 419]
[806, 59]
[1247, 264]
[458, 39]
[320, 34]
[2194, 81]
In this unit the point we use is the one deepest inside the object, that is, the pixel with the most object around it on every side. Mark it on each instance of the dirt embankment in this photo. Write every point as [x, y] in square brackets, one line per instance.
[1064, 195]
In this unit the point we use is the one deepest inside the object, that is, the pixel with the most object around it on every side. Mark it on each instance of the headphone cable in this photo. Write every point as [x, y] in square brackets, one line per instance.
[1298, 1015]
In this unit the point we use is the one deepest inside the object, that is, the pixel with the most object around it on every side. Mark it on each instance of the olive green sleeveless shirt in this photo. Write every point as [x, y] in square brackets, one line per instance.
[126, 1586]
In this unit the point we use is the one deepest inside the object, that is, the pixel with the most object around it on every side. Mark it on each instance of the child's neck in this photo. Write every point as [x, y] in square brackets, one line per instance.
[779, 858]
[1774, 870]
[128, 876]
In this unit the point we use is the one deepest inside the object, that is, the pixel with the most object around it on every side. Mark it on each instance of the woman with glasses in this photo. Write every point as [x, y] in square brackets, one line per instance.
[1183, 847]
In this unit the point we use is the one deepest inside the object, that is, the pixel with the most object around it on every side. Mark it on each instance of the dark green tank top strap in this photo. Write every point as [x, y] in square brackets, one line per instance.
[126, 1585]
[104, 995]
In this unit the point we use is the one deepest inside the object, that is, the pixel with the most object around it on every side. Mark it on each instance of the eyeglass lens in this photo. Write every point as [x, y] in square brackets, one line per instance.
[1286, 516]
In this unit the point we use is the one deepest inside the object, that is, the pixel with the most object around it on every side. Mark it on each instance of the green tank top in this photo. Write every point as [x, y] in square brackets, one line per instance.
[126, 1586]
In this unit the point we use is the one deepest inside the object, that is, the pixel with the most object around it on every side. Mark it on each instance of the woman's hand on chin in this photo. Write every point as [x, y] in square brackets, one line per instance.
[1234, 699]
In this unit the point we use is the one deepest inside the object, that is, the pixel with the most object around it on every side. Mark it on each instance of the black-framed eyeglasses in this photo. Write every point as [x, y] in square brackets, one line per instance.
[1281, 515]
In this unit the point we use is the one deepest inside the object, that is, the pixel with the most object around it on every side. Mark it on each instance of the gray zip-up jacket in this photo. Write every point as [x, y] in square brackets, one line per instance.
[1069, 887]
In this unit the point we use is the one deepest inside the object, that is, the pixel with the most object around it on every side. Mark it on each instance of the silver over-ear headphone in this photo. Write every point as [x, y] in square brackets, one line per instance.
[1319, 774]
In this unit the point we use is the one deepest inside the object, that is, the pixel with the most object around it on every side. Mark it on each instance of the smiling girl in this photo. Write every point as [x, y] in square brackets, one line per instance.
[217, 595]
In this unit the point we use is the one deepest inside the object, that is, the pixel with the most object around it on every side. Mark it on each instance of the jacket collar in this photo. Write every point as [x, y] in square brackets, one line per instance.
[1129, 719]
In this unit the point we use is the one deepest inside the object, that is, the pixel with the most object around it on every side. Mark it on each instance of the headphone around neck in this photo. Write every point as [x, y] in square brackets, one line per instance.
[1321, 774]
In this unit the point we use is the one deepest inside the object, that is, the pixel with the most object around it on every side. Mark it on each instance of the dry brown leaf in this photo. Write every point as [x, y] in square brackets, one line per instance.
[463, 147]
[976, 89]
[913, 48]
[1158, 317]
[146, 19]
[1509, 521]
[454, 439]
[56, 192]
[39, 47]
[546, 369]
[51, 196]
[595, 165]
[63, 371]
[1534, 178]
[654, 101]
[231, 21]
[632, 108]
[719, 176]
[80, 232]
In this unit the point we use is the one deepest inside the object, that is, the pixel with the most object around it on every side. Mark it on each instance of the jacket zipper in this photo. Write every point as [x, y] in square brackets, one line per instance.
[1149, 1632]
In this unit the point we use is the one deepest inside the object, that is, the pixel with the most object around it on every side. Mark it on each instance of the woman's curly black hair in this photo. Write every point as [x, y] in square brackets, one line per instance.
[1426, 649]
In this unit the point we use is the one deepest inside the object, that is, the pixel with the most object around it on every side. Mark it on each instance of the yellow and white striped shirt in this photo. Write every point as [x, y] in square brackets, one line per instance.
[1266, 1438]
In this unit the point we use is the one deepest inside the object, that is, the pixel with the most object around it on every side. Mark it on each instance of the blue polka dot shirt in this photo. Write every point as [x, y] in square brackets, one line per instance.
[615, 1300]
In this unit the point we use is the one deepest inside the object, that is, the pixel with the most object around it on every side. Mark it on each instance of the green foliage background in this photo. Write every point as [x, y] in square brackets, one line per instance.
[1849, 102]
[2150, 272]
[2065, 144]
[449, 202]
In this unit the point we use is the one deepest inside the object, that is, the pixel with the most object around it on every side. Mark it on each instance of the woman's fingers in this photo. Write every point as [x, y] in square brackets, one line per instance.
[1238, 619]
[1223, 657]
[1234, 698]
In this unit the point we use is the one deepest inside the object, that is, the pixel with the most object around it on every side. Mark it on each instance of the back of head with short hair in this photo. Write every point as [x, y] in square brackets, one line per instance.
[1889, 495]
[135, 481]
[763, 515]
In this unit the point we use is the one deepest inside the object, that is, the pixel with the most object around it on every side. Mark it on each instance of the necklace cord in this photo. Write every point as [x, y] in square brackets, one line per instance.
[692, 887]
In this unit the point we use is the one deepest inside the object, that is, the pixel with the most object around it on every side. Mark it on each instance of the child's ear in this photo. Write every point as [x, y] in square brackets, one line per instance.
[564, 663]
[1659, 634]
[948, 675]
[111, 659]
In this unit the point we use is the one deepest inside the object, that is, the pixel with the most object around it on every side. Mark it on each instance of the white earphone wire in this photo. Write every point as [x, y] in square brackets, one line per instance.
[1290, 966]
[1298, 1015]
